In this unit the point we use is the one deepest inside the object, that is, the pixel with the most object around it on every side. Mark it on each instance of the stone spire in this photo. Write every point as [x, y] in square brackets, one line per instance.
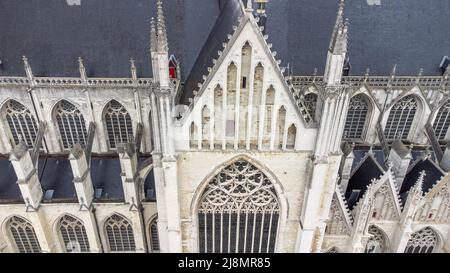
[153, 37]
[338, 43]
[161, 28]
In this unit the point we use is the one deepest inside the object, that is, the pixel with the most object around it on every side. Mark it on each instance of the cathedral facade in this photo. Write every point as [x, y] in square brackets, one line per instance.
[238, 153]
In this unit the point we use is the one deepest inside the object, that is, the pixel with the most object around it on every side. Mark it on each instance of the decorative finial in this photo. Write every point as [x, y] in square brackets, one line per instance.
[249, 5]
[394, 70]
[367, 74]
[153, 38]
[417, 188]
[161, 28]
[82, 69]
[338, 43]
[133, 69]
[27, 66]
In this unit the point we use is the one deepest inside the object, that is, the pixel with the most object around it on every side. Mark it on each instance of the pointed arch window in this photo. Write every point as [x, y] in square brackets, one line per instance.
[401, 118]
[73, 235]
[292, 134]
[356, 117]
[71, 125]
[270, 101]
[281, 123]
[377, 241]
[422, 241]
[119, 233]
[442, 121]
[118, 124]
[206, 124]
[218, 116]
[154, 236]
[193, 136]
[310, 101]
[23, 235]
[21, 122]
[238, 211]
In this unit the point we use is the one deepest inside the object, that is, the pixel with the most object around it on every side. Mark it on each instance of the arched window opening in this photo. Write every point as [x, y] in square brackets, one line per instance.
[71, 125]
[238, 211]
[206, 119]
[401, 118]
[377, 242]
[23, 235]
[73, 235]
[21, 122]
[292, 134]
[422, 241]
[218, 114]
[257, 101]
[356, 117]
[244, 93]
[193, 136]
[442, 121]
[270, 101]
[310, 102]
[281, 124]
[118, 124]
[119, 233]
[154, 236]
[231, 105]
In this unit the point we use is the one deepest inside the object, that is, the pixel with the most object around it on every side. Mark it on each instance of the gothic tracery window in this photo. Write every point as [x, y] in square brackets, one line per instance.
[21, 122]
[442, 121]
[73, 235]
[23, 234]
[422, 241]
[356, 117]
[401, 118]
[119, 233]
[71, 125]
[154, 236]
[377, 242]
[238, 211]
[310, 101]
[118, 124]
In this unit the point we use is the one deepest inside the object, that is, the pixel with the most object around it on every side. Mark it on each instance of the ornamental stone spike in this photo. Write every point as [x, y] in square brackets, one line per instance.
[338, 43]
[133, 69]
[153, 37]
[27, 66]
[82, 69]
[161, 28]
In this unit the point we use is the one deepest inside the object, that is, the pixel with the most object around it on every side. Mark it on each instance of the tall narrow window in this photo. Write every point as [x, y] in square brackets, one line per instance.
[257, 95]
[231, 105]
[206, 119]
[119, 233]
[422, 241]
[71, 125]
[281, 122]
[154, 236]
[377, 241]
[442, 121]
[356, 117]
[193, 136]
[23, 234]
[292, 134]
[152, 133]
[218, 114]
[118, 124]
[73, 235]
[246, 59]
[238, 211]
[270, 100]
[310, 103]
[401, 118]
[21, 122]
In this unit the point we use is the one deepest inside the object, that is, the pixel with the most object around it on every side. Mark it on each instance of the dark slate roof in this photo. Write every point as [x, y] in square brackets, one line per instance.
[412, 33]
[231, 11]
[9, 190]
[105, 174]
[56, 174]
[361, 178]
[433, 175]
[106, 33]
[360, 154]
